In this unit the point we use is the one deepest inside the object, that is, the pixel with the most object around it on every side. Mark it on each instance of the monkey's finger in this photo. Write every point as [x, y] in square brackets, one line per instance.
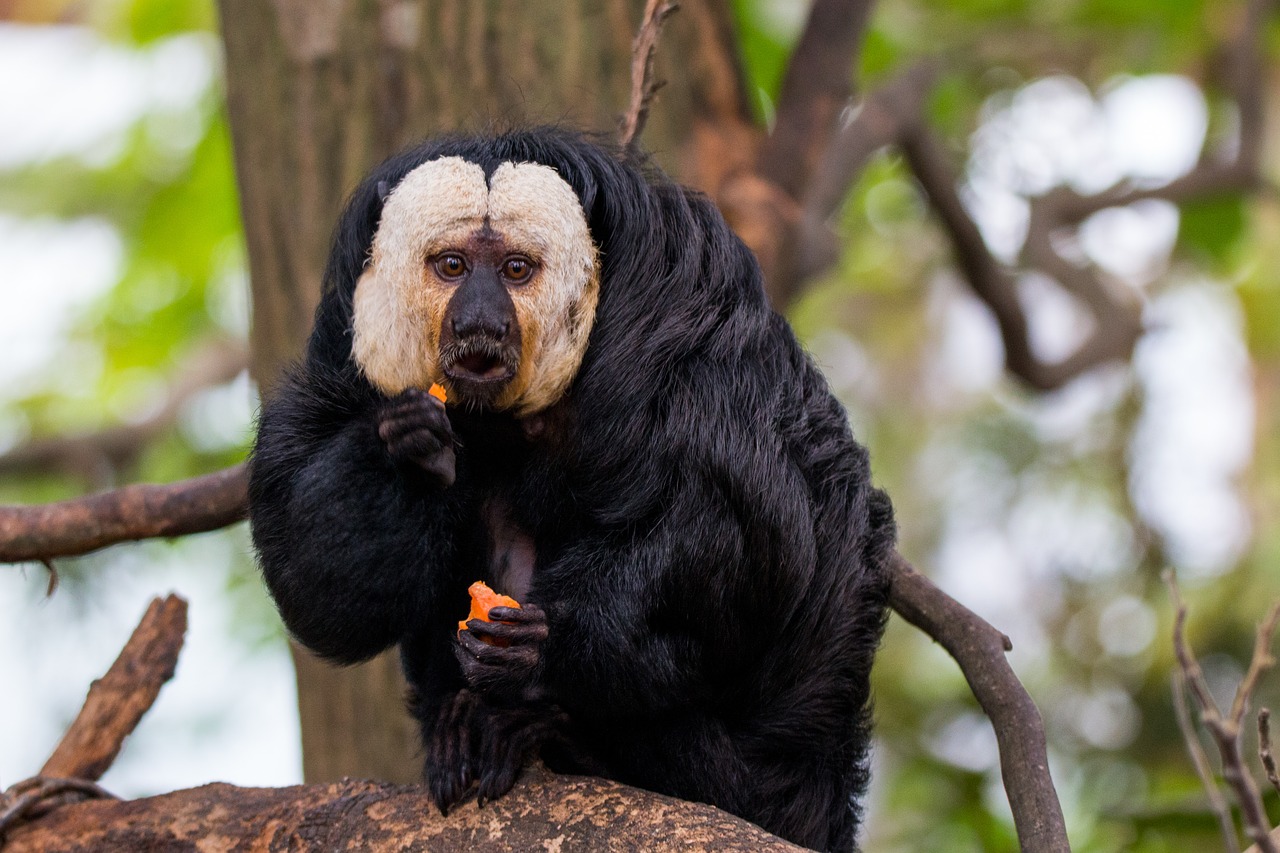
[442, 466]
[450, 771]
[489, 655]
[520, 615]
[429, 415]
[510, 753]
[420, 443]
[530, 634]
[397, 428]
[411, 396]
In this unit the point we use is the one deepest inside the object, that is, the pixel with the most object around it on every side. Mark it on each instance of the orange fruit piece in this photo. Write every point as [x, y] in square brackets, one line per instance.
[483, 600]
[438, 392]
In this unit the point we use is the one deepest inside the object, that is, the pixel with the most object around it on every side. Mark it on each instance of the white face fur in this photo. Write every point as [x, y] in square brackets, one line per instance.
[400, 305]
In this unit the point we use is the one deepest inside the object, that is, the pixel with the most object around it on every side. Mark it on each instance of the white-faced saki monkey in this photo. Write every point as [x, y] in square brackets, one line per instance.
[634, 447]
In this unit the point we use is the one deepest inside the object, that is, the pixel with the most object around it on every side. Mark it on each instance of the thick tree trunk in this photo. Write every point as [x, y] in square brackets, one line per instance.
[321, 90]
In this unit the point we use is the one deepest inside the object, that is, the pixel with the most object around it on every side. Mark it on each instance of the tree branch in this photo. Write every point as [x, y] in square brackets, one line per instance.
[90, 455]
[980, 651]
[1226, 730]
[81, 525]
[1264, 747]
[643, 85]
[816, 88]
[543, 811]
[117, 701]
[1217, 802]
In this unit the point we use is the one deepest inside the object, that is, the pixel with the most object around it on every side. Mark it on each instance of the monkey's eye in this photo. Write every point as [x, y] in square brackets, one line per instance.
[451, 266]
[517, 269]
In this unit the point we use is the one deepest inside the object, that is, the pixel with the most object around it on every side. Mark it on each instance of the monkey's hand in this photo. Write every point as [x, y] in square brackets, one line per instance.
[414, 427]
[505, 671]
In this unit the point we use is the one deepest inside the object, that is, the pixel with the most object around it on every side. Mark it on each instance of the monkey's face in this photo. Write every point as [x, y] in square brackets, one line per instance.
[488, 288]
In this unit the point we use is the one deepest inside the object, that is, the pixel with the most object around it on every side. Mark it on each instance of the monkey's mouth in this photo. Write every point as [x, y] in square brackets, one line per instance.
[479, 367]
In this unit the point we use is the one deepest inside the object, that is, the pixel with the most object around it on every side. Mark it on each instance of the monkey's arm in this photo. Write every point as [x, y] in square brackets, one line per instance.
[350, 538]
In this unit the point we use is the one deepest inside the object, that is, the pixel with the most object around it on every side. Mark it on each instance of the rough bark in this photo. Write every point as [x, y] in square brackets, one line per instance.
[543, 812]
[311, 113]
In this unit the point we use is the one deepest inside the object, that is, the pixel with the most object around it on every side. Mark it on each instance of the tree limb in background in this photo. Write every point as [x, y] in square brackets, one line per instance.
[980, 650]
[1264, 747]
[817, 88]
[96, 456]
[643, 84]
[80, 525]
[1118, 323]
[1226, 730]
[1217, 802]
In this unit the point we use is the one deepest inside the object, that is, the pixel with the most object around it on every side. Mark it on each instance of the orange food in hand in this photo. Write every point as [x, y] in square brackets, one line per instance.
[437, 391]
[483, 600]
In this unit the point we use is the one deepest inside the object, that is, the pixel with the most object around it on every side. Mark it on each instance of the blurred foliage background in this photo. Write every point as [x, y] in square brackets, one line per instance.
[1052, 515]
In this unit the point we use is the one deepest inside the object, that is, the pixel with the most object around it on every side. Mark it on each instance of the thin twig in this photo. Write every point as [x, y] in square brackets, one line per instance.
[1226, 731]
[39, 795]
[643, 84]
[980, 650]
[1217, 802]
[1264, 747]
[81, 525]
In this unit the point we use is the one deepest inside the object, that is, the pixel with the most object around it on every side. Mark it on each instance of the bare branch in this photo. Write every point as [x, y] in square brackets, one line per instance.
[93, 455]
[643, 85]
[816, 88]
[1226, 730]
[1264, 747]
[980, 651]
[118, 700]
[1118, 325]
[81, 525]
[1217, 802]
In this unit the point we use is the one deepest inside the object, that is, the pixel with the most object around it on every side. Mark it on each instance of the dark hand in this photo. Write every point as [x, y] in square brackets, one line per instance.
[449, 769]
[414, 427]
[475, 744]
[507, 669]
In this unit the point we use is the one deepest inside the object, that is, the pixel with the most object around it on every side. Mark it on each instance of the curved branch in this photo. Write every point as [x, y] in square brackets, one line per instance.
[81, 525]
[980, 651]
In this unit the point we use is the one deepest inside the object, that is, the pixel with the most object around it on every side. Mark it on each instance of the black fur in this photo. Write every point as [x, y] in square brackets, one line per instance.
[711, 555]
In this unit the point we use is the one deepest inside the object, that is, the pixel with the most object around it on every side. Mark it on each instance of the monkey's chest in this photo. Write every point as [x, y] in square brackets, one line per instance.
[512, 555]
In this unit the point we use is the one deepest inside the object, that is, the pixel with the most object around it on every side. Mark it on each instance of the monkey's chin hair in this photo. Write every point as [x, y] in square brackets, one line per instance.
[479, 369]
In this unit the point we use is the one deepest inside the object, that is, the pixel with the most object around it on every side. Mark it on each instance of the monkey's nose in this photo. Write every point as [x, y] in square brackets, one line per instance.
[467, 326]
